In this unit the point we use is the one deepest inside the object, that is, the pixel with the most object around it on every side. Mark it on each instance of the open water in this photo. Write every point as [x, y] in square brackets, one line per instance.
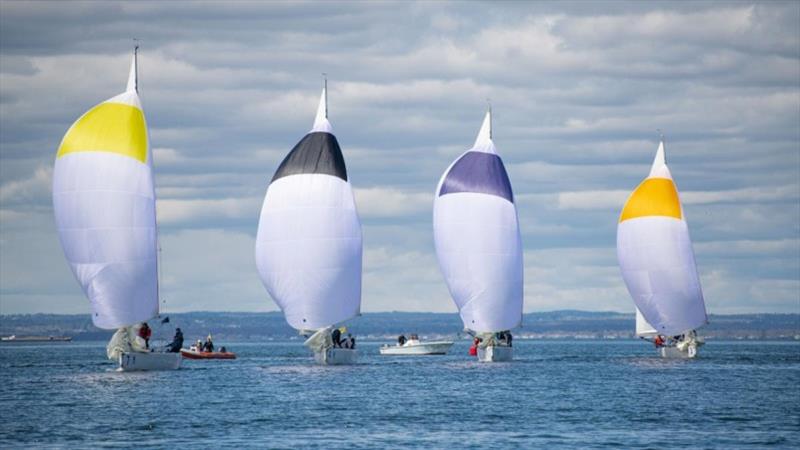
[568, 394]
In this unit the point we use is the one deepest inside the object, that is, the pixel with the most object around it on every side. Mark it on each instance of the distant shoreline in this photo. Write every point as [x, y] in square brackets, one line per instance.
[260, 327]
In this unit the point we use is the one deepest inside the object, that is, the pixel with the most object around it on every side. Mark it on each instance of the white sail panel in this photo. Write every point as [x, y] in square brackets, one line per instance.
[477, 238]
[656, 257]
[643, 329]
[309, 245]
[104, 207]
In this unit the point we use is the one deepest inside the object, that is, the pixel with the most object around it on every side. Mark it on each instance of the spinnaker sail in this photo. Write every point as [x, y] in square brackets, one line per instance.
[308, 247]
[656, 257]
[105, 209]
[477, 237]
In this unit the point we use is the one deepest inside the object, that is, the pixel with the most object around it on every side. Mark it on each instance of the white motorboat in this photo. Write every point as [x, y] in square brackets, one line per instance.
[416, 347]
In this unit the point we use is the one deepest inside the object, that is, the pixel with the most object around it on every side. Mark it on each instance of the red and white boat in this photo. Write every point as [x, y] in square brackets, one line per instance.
[194, 354]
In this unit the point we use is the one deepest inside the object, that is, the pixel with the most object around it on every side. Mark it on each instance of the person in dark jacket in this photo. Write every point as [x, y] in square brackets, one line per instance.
[177, 342]
[401, 340]
[336, 337]
[208, 346]
[349, 342]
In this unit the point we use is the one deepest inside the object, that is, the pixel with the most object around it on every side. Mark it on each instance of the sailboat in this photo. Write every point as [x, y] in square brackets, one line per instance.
[105, 211]
[657, 262]
[308, 247]
[478, 245]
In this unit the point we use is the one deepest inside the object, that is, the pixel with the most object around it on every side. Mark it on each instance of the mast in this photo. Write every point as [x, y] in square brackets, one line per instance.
[133, 77]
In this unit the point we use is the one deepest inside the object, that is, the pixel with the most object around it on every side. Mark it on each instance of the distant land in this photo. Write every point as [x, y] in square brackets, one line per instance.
[238, 326]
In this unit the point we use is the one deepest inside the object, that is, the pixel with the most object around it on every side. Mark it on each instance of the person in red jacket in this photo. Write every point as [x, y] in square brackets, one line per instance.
[145, 333]
[473, 351]
[658, 341]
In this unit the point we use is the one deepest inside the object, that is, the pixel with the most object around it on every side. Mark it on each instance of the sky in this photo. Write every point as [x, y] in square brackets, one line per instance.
[578, 91]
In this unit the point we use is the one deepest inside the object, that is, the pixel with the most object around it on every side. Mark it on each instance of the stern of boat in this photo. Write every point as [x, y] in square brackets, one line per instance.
[336, 356]
[495, 353]
[687, 352]
[136, 361]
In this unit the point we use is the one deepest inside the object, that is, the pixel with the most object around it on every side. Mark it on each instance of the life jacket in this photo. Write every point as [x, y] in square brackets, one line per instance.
[145, 332]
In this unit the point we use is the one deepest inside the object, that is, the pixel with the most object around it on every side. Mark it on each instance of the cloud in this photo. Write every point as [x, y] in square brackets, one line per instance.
[35, 189]
[577, 92]
[192, 213]
[388, 202]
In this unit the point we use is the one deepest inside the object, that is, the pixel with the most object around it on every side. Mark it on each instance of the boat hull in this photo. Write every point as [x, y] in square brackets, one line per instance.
[494, 353]
[137, 361]
[688, 352]
[336, 356]
[428, 348]
[189, 354]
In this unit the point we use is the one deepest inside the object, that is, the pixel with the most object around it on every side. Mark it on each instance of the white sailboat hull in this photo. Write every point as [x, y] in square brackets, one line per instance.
[336, 356]
[136, 361]
[427, 348]
[495, 353]
[688, 352]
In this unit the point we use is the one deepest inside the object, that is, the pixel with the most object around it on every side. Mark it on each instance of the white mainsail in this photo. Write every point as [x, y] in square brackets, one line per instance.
[655, 254]
[105, 209]
[308, 247]
[477, 237]
[643, 329]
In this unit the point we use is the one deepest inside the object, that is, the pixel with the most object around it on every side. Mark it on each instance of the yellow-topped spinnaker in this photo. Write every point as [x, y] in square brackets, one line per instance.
[108, 127]
[653, 197]
[656, 257]
[104, 206]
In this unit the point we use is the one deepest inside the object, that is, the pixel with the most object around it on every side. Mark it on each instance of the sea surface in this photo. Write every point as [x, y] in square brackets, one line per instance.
[556, 394]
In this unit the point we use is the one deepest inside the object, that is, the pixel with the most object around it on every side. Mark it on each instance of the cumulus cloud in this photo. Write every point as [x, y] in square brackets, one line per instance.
[193, 212]
[35, 189]
[388, 202]
[578, 91]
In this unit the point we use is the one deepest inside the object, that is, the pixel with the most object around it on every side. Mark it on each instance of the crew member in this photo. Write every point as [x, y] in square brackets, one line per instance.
[177, 342]
[336, 337]
[208, 346]
[145, 332]
[473, 351]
